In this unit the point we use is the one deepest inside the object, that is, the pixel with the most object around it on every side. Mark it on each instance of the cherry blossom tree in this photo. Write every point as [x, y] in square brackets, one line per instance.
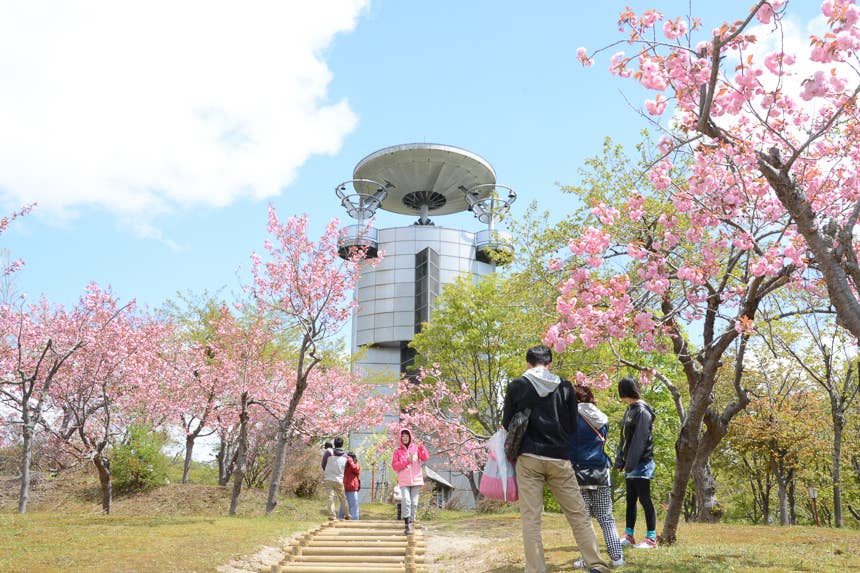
[306, 287]
[674, 286]
[768, 198]
[110, 384]
[190, 374]
[762, 122]
[447, 417]
[39, 340]
[247, 360]
[195, 388]
[37, 351]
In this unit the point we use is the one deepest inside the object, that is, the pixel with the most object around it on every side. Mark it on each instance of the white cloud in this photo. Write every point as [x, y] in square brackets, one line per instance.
[145, 107]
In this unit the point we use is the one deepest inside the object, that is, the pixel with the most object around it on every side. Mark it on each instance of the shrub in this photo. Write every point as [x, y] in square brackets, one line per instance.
[485, 505]
[303, 474]
[138, 464]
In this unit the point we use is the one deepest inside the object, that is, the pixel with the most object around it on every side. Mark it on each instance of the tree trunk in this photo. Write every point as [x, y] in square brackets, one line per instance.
[838, 428]
[686, 449]
[277, 469]
[221, 457]
[189, 449]
[241, 455]
[26, 459]
[474, 485]
[685, 455]
[782, 494]
[827, 257]
[105, 481]
[708, 509]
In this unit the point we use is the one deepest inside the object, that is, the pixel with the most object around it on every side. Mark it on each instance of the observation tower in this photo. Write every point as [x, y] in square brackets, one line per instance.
[424, 181]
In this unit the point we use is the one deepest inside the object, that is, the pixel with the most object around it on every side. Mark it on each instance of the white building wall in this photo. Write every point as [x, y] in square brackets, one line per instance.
[386, 314]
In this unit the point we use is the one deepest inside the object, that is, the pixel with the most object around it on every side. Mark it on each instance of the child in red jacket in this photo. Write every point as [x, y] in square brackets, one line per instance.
[351, 484]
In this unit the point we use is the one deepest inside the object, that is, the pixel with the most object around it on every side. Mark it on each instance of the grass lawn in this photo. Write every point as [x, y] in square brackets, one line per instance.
[170, 529]
[702, 548]
[142, 543]
[184, 528]
[174, 528]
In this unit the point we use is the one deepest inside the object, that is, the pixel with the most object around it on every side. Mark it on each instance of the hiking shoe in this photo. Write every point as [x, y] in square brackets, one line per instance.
[627, 541]
[617, 562]
[579, 564]
[647, 543]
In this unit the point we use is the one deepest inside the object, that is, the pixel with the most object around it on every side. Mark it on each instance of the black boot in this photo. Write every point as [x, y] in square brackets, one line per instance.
[406, 526]
[409, 529]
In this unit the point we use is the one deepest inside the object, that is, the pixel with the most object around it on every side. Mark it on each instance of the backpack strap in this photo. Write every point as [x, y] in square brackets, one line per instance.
[593, 429]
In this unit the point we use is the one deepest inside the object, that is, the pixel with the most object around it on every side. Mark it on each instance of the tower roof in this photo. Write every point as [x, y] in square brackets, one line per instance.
[427, 177]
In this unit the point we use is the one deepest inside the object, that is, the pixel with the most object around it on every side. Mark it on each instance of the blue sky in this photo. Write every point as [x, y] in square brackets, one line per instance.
[153, 135]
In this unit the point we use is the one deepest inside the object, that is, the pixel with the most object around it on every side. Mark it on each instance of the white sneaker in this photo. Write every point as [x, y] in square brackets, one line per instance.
[646, 543]
[580, 563]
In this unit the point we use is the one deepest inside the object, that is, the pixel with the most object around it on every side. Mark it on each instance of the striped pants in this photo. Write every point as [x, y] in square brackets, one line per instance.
[598, 504]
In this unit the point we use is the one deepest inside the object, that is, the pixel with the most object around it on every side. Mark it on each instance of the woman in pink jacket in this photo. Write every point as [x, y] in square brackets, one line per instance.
[406, 461]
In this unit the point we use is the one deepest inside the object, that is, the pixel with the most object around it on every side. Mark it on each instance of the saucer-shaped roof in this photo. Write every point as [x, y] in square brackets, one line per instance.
[417, 174]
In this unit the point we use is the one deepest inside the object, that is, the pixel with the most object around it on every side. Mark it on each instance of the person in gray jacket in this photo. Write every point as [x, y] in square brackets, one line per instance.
[636, 457]
[334, 465]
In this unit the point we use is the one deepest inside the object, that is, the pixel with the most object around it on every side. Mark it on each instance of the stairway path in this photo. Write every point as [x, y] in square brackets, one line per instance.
[363, 546]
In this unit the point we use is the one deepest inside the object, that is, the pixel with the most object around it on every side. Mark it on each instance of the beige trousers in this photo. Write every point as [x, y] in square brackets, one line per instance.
[532, 474]
[336, 494]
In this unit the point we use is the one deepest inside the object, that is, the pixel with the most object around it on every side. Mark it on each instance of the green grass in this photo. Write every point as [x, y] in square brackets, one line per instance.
[101, 543]
[702, 548]
[184, 528]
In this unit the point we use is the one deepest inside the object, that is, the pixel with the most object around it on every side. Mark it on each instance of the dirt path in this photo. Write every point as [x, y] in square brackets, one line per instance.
[473, 548]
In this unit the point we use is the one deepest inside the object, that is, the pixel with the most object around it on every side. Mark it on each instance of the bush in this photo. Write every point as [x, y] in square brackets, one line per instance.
[138, 464]
[485, 505]
[303, 474]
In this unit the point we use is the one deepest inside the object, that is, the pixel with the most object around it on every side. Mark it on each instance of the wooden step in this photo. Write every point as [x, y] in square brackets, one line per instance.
[369, 546]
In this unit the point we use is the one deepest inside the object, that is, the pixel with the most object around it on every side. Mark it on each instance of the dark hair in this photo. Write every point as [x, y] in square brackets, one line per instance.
[352, 455]
[539, 355]
[338, 442]
[629, 388]
[327, 445]
[583, 393]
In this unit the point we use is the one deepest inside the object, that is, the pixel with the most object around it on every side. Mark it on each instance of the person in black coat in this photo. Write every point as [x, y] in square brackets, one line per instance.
[635, 457]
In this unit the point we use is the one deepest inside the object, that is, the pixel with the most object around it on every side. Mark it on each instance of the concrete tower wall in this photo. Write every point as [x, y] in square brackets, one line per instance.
[386, 294]
[390, 301]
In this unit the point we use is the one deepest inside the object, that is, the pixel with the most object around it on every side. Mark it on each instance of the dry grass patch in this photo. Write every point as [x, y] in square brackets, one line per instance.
[493, 544]
[170, 529]
[144, 543]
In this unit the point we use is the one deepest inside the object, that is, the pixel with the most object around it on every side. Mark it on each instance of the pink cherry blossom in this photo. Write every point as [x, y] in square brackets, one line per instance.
[674, 29]
[582, 56]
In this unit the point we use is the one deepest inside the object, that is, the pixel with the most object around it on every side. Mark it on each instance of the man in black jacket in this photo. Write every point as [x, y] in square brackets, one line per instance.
[543, 458]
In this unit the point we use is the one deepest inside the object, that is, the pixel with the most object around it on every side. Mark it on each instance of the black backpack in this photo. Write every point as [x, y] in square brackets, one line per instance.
[516, 432]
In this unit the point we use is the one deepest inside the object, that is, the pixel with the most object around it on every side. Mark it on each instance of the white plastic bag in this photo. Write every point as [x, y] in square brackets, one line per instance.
[498, 480]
